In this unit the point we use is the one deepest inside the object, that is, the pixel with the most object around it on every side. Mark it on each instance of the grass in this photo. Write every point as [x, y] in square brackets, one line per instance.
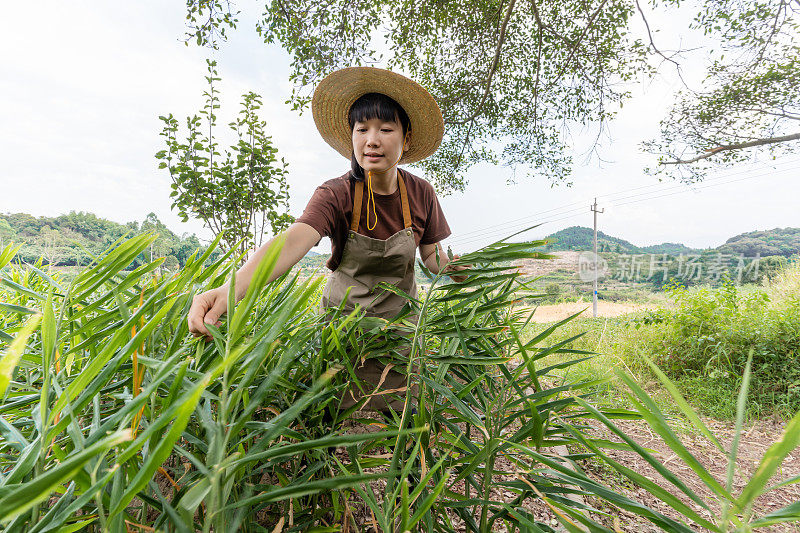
[104, 393]
[702, 337]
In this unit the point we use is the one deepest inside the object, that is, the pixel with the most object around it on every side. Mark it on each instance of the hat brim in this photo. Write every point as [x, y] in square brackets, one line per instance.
[335, 95]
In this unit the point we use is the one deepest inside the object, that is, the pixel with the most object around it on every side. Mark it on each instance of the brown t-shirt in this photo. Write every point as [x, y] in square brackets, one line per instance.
[331, 208]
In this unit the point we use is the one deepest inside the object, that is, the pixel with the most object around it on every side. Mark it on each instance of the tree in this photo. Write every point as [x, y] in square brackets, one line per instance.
[514, 79]
[48, 238]
[7, 233]
[239, 193]
[752, 100]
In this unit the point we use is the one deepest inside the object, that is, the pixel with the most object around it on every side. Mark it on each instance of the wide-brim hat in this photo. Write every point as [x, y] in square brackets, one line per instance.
[335, 95]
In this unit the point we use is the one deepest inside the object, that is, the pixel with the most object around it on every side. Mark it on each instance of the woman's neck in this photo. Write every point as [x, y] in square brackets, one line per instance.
[385, 182]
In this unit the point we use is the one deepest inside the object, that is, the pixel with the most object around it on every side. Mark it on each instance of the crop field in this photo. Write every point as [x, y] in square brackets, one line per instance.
[114, 418]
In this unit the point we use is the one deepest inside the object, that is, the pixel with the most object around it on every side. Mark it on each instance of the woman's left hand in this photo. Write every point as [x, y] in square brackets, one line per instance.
[455, 268]
[434, 258]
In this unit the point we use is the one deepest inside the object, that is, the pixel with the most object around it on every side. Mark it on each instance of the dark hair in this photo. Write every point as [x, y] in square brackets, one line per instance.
[374, 105]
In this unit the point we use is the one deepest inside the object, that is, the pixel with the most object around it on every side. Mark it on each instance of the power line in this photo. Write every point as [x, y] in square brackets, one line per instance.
[713, 178]
[514, 221]
[505, 231]
[493, 230]
[707, 180]
[711, 185]
[571, 214]
[503, 227]
[702, 185]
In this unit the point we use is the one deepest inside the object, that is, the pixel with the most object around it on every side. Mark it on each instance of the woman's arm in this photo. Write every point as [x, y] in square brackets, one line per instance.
[429, 254]
[210, 305]
[300, 238]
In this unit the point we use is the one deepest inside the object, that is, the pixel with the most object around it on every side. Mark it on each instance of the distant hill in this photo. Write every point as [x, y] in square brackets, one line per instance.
[73, 239]
[778, 241]
[670, 248]
[579, 238]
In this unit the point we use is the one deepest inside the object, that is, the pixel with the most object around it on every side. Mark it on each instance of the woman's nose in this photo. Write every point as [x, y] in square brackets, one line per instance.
[373, 138]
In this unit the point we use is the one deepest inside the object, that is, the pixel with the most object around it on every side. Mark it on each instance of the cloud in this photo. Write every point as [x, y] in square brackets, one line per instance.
[86, 82]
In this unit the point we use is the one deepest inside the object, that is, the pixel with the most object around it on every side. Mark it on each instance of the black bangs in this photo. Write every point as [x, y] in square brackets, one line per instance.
[375, 105]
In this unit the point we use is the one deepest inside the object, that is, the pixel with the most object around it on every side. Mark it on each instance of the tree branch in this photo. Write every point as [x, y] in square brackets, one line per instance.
[577, 45]
[772, 33]
[730, 147]
[786, 115]
[494, 65]
[538, 62]
[655, 48]
[492, 70]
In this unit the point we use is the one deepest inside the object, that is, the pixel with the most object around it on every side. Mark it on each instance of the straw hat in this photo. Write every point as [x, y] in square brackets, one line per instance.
[335, 95]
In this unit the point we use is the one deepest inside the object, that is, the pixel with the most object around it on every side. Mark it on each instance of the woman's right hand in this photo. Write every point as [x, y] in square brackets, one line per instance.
[206, 308]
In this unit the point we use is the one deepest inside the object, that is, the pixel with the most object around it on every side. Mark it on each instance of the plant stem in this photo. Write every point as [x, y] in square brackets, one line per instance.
[487, 485]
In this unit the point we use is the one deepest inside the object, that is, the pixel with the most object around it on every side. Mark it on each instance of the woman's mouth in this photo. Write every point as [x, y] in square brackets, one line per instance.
[373, 157]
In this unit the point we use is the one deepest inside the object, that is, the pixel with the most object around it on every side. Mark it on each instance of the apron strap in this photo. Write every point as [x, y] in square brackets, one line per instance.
[404, 201]
[355, 220]
[359, 197]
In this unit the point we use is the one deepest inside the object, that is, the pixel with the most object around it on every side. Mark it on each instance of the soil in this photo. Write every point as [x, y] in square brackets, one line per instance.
[544, 314]
[755, 440]
[561, 262]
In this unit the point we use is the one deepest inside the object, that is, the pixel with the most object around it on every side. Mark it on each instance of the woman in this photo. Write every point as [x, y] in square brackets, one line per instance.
[375, 215]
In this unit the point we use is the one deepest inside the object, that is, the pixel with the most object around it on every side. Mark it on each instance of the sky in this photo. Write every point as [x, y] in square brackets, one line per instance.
[82, 85]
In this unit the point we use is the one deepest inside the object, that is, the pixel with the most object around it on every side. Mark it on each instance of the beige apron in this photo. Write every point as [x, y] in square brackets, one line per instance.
[367, 262]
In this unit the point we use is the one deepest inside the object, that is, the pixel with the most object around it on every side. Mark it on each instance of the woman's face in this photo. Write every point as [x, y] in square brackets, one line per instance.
[377, 145]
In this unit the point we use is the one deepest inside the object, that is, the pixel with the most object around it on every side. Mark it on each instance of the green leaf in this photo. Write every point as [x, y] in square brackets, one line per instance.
[683, 405]
[771, 461]
[21, 289]
[8, 253]
[24, 496]
[12, 354]
[790, 513]
[656, 419]
[17, 309]
[164, 447]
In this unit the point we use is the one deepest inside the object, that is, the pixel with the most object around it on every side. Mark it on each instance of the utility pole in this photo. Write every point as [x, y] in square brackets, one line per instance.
[593, 207]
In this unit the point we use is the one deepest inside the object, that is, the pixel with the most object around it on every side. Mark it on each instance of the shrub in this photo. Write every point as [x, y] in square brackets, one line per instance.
[711, 332]
[113, 417]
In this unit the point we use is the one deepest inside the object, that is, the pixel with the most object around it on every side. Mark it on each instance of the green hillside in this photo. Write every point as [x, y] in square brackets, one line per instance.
[670, 248]
[778, 241]
[579, 238]
[73, 239]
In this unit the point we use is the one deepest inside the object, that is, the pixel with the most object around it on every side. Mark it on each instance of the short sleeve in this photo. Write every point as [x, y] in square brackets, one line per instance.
[436, 227]
[321, 210]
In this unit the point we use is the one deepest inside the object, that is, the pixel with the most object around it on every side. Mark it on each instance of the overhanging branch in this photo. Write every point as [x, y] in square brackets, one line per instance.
[731, 147]
[576, 45]
[655, 48]
[494, 65]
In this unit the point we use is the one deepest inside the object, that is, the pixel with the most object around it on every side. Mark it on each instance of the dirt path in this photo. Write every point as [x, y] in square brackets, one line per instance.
[756, 439]
[553, 313]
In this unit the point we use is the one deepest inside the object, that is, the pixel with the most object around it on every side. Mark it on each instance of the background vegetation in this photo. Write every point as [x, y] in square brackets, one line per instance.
[515, 79]
[113, 417]
[75, 239]
[779, 241]
[702, 337]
